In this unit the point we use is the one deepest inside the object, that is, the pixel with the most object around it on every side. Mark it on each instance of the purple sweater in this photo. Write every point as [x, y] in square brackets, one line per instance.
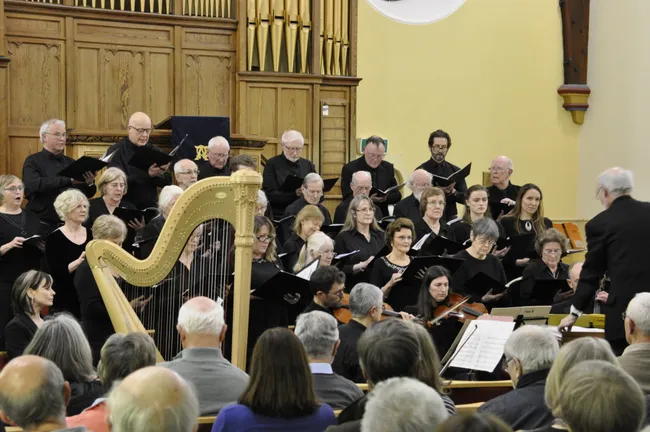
[239, 418]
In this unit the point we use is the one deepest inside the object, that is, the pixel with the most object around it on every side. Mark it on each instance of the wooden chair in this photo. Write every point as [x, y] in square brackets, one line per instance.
[468, 408]
[205, 423]
[470, 392]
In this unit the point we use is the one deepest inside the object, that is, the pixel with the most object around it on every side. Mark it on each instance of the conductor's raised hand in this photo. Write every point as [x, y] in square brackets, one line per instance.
[567, 322]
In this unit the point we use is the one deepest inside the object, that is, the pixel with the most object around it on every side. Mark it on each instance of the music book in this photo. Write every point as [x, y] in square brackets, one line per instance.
[328, 184]
[284, 219]
[33, 240]
[437, 245]
[454, 178]
[291, 183]
[382, 193]
[385, 221]
[306, 272]
[532, 315]
[345, 255]
[281, 284]
[481, 283]
[420, 263]
[481, 346]
[144, 157]
[497, 209]
[127, 215]
[332, 228]
[522, 246]
[84, 164]
[545, 289]
[175, 149]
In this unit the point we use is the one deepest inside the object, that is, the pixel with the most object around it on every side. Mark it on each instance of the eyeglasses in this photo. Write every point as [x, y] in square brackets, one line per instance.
[116, 185]
[363, 188]
[375, 155]
[439, 147]
[141, 131]
[264, 239]
[58, 135]
[14, 189]
[338, 293]
[506, 363]
[484, 241]
[219, 155]
[314, 192]
[436, 203]
[552, 252]
[328, 253]
[293, 149]
[261, 208]
[189, 172]
[624, 315]
[420, 185]
[497, 169]
[366, 210]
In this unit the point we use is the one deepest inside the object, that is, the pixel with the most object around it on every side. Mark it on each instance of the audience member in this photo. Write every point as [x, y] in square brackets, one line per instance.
[31, 293]
[327, 284]
[242, 161]
[186, 173]
[476, 422]
[529, 354]
[502, 192]
[121, 355]
[360, 184]
[217, 163]
[636, 357]
[33, 395]
[319, 336]
[136, 405]
[62, 341]
[409, 207]
[280, 394]
[366, 305]
[403, 405]
[202, 328]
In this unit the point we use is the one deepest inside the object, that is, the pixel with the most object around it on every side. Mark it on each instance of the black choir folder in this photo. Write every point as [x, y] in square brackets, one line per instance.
[412, 274]
[454, 178]
[127, 214]
[521, 246]
[432, 244]
[144, 157]
[382, 193]
[281, 284]
[84, 164]
[545, 289]
[480, 284]
[293, 183]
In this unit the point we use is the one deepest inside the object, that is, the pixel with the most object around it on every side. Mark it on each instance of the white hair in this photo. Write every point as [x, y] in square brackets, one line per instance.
[167, 194]
[178, 165]
[507, 160]
[356, 175]
[292, 136]
[534, 346]
[261, 197]
[411, 180]
[617, 181]
[67, 201]
[194, 321]
[312, 178]
[45, 127]
[363, 297]
[638, 310]
[403, 404]
[216, 141]
[318, 333]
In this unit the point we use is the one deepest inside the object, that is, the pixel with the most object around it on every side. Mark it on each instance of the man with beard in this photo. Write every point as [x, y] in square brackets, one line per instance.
[327, 284]
[502, 190]
[409, 207]
[217, 163]
[439, 145]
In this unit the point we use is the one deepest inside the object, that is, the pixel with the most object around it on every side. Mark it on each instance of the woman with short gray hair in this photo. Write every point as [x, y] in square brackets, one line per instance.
[478, 260]
[62, 341]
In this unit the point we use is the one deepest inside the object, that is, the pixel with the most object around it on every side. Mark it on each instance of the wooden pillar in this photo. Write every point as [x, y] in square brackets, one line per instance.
[4, 95]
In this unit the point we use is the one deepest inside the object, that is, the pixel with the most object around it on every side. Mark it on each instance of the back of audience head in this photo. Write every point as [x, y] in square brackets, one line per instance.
[637, 319]
[598, 396]
[389, 349]
[319, 335]
[109, 227]
[201, 323]
[429, 372]
[61, 340]
[280, 378]
[123, 354]
[403, 404]
[366, 301]
[30, 289]
[529, 349]
[167, 199]
[32, 392]
[477, 422]
[135, 405]
[242, 161]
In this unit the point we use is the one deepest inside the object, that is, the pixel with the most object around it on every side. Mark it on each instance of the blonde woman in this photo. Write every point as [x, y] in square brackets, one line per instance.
[320, 246]
[308, 221]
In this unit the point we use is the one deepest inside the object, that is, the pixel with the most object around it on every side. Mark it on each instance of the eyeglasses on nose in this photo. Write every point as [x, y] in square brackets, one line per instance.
[141, 131]
[14, 189]
[265, 238]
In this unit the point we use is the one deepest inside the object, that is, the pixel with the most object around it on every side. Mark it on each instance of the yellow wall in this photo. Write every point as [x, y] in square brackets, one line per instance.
[488, 75]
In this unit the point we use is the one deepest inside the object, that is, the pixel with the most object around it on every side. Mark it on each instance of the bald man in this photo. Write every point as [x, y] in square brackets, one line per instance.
[218, 158]
[142, 185]
[33, 395]
[361, 184]
[409, 207]
[136, 405]
[503, 193]
[217, 382]
[186, 173]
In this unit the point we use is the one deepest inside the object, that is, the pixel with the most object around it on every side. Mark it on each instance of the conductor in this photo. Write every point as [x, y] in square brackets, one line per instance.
[617, 240]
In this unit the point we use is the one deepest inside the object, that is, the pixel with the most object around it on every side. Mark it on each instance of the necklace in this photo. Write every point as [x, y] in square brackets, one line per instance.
[20, 226]
[528, 226]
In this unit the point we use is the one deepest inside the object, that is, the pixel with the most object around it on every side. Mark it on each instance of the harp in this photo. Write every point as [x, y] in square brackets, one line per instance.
[230, 199]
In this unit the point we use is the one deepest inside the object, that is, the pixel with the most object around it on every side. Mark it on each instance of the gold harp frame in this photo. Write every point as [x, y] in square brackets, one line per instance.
[229, 198]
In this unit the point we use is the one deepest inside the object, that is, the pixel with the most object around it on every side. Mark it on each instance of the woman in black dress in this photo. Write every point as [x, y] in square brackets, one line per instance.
[32, 293]
[387, 270]
[432, 208]
[308, 221]
[16, 225]
[527, 217]
[146, 238]
[65, 248]
[476, 207]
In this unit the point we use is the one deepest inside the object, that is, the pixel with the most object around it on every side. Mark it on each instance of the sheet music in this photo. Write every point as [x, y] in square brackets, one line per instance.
[341, 256]
[107, 158]
[307, 271]
[419, 244]
[484, 349]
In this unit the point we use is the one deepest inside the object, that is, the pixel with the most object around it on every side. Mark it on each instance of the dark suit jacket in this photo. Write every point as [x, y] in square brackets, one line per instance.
[617, 244]
[409, 208]
[18, 334]
[383, 177]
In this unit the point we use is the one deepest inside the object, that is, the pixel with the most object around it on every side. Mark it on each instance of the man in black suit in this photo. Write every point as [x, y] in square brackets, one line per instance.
[218, 159]
[409, 207]
[361, 184]
[617, 244]
[503, 193]
[382, 173]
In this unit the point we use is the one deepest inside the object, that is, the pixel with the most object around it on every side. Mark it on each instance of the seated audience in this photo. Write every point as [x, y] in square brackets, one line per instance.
[319, 336]
[31, 293]
[575, 353]
[242, 161]
[217, 163]
[476, 422]
[62, 341]
[361, 184]
[636, 357]
[146, 238]
[121, 355]
[202, 329]
[502, 190]
[136, 405]
[564, 306]
[327, 285]
[307, 222]
[280, 394]
[551, 246]
[600, 397]
[366, 305]
[33, 395]
[403, 404]
[529, 354]
[312, 194]
[318, 246]
[186, 173]
[409, 207]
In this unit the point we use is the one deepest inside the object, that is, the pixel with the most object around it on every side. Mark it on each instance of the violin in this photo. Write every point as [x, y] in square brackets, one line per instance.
[344, 315]
[457, 306]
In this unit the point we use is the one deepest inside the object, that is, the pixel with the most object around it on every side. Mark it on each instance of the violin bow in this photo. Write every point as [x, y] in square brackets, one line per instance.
[453, 309]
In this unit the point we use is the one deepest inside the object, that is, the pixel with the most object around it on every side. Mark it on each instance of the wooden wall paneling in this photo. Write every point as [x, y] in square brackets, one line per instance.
[32, 25]
[178, 69]
[19, 148]
[261, 110]
[295, 112]
[315, 127]
[4, 98]
[109, 33]
[207, 83]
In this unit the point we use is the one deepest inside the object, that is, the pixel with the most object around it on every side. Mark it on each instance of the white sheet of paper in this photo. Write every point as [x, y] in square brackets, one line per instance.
[419, 244]
[307, 271]
[341, 256]
[484, 349]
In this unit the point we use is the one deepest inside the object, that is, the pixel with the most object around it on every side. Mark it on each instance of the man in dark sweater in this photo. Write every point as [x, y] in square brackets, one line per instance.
[319, 335]
[361, 184]
[409, 207]
[312, 192]
[279, 167]
[217, 163]
[327, 284]
[529, 354]
[142, 185]
[503, 193]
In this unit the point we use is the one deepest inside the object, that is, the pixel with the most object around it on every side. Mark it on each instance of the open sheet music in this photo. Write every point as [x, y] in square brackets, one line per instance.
[419, 244]
[310, 268]
[481, 346]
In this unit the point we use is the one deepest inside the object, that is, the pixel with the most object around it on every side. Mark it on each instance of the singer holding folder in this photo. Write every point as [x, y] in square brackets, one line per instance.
[432, 208]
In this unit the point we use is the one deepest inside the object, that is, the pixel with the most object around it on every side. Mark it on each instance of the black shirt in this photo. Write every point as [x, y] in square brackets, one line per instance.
[43, 184]
[142, 188]
[346, 360]
[422, 229]
[295, 207]
[292, 248]
[401, 294]
[491, 266]
[537, 270]
[276, 171]
[510, 228]
[147, 237]
[18, 260]
[383, 177]
[496, 195]
[461, 231]
[409, 208]
[349, 241]
[313, 306]
[207, 170]
[342, 211]
[445, 169]
[98, 208]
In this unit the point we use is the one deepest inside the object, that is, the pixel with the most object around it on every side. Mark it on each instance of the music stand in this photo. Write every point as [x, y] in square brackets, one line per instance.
[532, 315]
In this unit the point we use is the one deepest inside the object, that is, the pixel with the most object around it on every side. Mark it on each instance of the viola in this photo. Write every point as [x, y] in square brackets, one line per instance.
[457, 306]
[344, 315]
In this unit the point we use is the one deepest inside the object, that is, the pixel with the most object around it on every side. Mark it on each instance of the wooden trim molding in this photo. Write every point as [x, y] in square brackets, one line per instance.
[4, 62]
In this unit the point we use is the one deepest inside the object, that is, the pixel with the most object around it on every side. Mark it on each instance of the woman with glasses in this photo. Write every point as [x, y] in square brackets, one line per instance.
[16, 225]
[308, 221]
[550, 245]
[432, 208]
[360, 236]
[319, 245]
[387, 270]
